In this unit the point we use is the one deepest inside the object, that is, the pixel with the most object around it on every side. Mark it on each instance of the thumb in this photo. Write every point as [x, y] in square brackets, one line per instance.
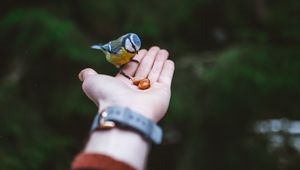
[85, 73]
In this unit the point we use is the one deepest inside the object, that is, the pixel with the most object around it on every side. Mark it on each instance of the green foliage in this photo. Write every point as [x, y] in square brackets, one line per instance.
[236, 62]
[34, 79]
[221, 101]
[263, 79]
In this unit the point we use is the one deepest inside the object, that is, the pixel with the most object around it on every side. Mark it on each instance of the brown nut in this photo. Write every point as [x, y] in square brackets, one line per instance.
[144, 84]
[136, 82]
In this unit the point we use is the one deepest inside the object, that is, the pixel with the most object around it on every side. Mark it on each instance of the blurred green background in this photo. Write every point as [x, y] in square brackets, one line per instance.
[235, 95]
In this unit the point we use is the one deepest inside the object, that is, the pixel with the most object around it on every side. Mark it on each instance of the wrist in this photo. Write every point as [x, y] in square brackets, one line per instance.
[152, 115]
[131, 149]
[148, 113]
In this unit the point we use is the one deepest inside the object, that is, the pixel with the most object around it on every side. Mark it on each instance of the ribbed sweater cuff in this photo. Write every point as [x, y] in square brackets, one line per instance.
[93, 161]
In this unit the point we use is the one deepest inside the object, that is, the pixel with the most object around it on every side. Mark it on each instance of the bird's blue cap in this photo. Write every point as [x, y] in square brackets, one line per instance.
[136, 40]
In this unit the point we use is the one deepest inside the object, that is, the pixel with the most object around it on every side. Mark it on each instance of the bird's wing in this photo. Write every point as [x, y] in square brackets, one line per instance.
[111, 47]
[106, 48]
[115, 46]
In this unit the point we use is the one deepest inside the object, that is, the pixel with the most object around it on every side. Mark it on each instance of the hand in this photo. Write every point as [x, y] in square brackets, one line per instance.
[153, 103]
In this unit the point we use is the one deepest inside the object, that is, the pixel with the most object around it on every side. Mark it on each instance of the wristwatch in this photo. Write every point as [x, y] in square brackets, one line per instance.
[117, 116]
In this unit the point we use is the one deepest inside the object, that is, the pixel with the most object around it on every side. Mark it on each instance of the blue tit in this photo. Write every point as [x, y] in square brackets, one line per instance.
[122, 50]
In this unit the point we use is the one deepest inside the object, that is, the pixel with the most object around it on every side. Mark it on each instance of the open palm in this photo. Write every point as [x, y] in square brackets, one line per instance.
[153, 103]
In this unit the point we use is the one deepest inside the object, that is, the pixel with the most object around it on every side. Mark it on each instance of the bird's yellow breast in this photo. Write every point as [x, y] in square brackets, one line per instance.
[120, 59]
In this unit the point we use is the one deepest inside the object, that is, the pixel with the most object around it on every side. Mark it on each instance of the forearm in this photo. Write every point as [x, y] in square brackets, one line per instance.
[123, 145]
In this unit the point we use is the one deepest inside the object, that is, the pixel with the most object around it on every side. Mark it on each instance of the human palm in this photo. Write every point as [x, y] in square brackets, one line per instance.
[153, 103]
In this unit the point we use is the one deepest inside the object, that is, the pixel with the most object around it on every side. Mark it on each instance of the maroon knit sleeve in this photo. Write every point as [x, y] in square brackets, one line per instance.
[92, 161]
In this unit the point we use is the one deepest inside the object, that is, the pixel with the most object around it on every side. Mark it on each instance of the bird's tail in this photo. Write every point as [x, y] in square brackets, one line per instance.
[98, 47]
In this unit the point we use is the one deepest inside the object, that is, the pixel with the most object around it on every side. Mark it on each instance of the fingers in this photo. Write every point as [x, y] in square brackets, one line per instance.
[160, 59]
[153, 64]
[131, 67]
[166, 75]
[85, 73]
[146, 64]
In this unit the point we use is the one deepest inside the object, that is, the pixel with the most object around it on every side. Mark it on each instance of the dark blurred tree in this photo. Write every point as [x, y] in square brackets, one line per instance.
[237, 62]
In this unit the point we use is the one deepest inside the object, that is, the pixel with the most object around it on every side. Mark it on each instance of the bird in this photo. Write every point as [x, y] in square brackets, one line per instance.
[121, 51]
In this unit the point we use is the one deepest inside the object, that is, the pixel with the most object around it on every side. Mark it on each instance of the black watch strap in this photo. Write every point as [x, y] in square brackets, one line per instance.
[128, 118]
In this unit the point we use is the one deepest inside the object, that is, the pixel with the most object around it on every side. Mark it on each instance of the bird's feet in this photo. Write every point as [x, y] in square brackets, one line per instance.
[134, 60]
[125, 75]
